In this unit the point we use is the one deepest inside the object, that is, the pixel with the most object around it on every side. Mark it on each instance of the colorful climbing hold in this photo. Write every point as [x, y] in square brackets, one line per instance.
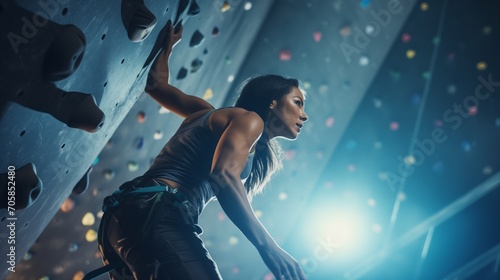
[285, 55]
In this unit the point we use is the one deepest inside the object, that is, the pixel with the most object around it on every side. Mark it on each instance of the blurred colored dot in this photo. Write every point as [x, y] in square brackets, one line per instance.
[108, 174]
[438, 123]
[346, 85]
[438, 167]
[88, 219]
[73, 247]
[436, 40]
[230, 78]
[158, 135]
[233, 240]
[225, 7]
[91, 235]
[481, 66]
[141, 117]
[497, 122]
[345, 31]
[323, 89]
[221, 216]
[319, 154]
[209, 93]
[289, 154]
[351, 144]
[394, 126]
[410, 160]
[426, 75]
[406, 37]
[451, 89]
[415, 99]
[328, 185]
[363, 61]
[401, 196]
[395, 75]
[371, 202]
[365, 3]
[487, 30]
[132, 166]
[472, 110]
[317, 36]
[96, 161]
[248, 6]
[424, 6]
[369, 29]
[306, 85]
[100, 214]
[285, 55]
[258, 213]
[329, 122]
[228, 60]
[236, 270]
[282, 196]
[269, 276]
[78, 275]
[377, 145]
[451, 56]
[67, 205]
[208, 243]
[410, 54]
[376, 228]
[351, 167]
[58, 269]
[377, 103]
[487, 170]
[466, 146]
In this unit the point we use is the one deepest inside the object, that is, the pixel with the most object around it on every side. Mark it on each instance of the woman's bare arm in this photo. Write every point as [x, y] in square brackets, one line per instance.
[160, 90]
[229, 160]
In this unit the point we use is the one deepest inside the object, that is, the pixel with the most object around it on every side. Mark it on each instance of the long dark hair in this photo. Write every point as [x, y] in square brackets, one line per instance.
[256, 94]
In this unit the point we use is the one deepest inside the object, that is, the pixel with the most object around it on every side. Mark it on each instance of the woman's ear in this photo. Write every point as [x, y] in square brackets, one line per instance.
[272, 104]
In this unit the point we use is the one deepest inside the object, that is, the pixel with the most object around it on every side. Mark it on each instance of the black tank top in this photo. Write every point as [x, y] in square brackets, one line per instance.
[187, 160]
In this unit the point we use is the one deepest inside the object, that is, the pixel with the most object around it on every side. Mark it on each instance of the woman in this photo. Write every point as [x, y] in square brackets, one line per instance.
[150, 224]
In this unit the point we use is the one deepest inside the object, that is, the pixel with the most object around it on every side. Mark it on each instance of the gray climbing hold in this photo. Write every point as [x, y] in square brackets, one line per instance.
[182, 73]
[64, 54]
[139, 21]
[196, 65]
[196, 39]
[27, 187]
[194, 9]
[83, 184]
[82, 112]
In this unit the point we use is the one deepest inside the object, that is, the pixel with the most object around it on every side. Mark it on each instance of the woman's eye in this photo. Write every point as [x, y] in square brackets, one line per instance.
[298, 103]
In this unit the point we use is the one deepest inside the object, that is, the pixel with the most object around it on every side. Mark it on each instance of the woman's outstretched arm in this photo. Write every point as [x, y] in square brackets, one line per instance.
[229, 160]
[160, 90]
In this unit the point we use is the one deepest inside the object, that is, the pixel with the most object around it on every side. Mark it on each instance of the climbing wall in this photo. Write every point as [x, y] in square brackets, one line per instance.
[71, 72]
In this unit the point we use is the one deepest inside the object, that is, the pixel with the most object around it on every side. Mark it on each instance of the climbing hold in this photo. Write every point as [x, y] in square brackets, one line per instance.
[406, 37]
[181, 12]
[64, 54]
[109, 174]
[182, 73]
[227, 59]
[410, 54]
[209, 93]
[83, 184]
[196, 65]
[225, 7]
[88, 219]
[285, 55]
[158, 135]
[215, 31]
[139, 142]
[196, 39]
[137, 19]
[481, 66]
[194, 9]
[132, 166]
[317, 36]
[141, 117]
[28, 186]
[79, 110]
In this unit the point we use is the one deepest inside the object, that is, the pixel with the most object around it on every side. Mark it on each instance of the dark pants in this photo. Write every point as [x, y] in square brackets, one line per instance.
[166, 247]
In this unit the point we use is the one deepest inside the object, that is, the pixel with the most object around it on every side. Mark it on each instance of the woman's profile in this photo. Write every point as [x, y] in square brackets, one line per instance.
[151, 223]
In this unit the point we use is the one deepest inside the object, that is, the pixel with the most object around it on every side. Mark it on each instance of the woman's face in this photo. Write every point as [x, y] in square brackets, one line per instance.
[287, 115]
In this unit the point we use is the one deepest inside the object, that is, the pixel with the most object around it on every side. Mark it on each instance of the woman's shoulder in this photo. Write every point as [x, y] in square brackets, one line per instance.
[221, 118]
